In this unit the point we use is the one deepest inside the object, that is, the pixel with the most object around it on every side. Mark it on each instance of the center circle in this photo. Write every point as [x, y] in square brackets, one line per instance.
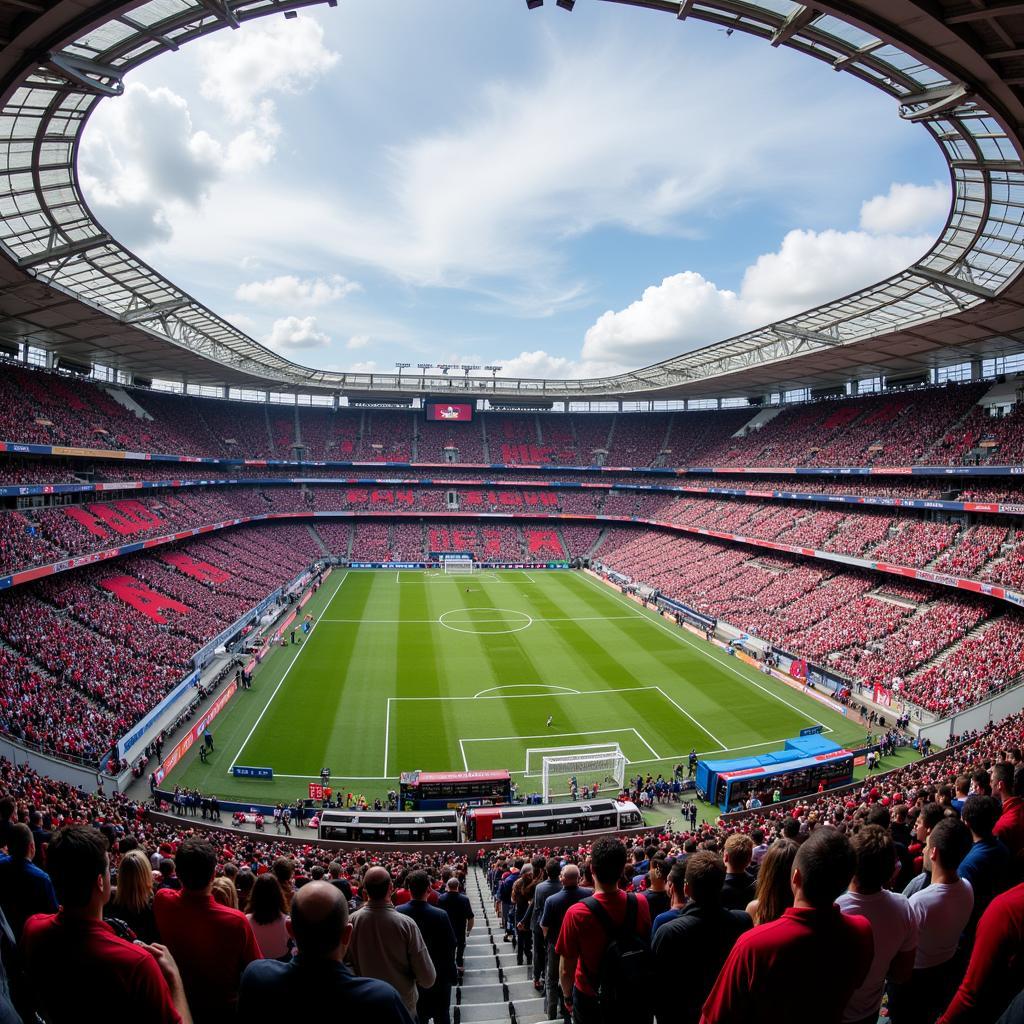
[485, 621]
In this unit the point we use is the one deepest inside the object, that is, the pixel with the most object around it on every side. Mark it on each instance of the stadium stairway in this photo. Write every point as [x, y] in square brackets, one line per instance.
[493, 989]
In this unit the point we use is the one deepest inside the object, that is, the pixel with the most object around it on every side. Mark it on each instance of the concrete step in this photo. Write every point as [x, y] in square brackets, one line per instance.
[480, 1012]
[477, 995]
[530, 1011]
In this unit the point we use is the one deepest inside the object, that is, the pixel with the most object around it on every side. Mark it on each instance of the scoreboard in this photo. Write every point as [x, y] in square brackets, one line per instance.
[449, 412]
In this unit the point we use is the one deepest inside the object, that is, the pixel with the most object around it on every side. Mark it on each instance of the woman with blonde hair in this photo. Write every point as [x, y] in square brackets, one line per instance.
[773, 893]
[132, 899]
[224, 892]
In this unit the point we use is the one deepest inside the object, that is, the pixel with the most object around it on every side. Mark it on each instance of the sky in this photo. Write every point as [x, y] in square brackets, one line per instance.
[470, 182]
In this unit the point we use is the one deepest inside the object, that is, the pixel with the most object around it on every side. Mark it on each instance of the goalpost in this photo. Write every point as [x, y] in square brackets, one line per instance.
[460, 567]
[586, 766]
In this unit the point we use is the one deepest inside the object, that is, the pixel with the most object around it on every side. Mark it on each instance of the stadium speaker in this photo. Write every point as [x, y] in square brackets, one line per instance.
[566, 5]
[533, 4]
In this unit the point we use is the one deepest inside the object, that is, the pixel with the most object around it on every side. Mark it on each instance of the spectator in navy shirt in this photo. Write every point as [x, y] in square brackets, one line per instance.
[24, 889]
[439, 938]
[676, 888]
[316, 979]
[460, 912]
[987, 863]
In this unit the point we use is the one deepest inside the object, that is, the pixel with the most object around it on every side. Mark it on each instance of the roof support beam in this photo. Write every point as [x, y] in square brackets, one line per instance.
[684, 9]
[798, 20]
[936, 101]
[855, 56]
[956, 283]
[56, 252]
[87, 75]
[985, 13]
[794, 332]
[148, 33]
[222, 8]
[161, 309]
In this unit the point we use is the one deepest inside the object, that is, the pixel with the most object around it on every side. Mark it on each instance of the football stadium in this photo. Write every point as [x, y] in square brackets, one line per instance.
[354, 666]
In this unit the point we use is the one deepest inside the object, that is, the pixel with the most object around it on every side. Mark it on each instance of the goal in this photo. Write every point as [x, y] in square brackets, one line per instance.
[460, 567]
[586, 766]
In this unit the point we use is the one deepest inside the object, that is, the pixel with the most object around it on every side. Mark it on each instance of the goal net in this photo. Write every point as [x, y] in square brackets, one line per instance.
[460, 567]
[564, 776]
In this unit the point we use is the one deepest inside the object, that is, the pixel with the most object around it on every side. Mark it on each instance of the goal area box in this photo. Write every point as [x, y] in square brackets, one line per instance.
[604, 764]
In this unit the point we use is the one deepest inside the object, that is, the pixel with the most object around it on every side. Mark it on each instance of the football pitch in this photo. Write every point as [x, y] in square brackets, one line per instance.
[414, 669]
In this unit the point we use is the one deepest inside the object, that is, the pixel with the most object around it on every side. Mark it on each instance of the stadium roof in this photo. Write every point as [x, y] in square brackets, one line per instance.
[955, 66]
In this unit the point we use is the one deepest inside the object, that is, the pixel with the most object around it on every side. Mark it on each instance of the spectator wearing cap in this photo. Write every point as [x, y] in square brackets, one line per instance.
[316, 978]
[942, 910]
[690, 949]
[388, 945]
[212, 943]
[439, 937]
[583, 940]
[893, 925]
[460, 912]
[24, 889]
[77, 967]
[813, 948]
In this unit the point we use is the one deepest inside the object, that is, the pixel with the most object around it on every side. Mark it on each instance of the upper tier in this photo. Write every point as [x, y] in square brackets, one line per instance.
[942, 426]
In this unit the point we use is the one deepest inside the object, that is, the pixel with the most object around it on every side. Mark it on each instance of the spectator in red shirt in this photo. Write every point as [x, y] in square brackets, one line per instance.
[212, 943]
[1010, 826]
[996, 970]
[582, 940]
[75, 960]
[813, 949]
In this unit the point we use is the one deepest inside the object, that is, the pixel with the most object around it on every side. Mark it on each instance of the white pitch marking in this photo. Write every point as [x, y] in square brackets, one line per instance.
[679, 707]
[280, 683]
[681, 636]
[523, 686]
[525, 696]
[434, 622]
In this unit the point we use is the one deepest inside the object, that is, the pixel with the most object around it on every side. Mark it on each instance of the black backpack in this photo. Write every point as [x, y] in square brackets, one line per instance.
[625, 979]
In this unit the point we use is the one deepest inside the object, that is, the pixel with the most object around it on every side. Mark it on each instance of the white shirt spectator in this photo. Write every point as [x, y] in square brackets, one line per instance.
[895, 930]
[942, 913]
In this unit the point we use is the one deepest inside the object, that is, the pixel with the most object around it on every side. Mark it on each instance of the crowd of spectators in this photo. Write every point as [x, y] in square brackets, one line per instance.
[880, 636]
[901, 893]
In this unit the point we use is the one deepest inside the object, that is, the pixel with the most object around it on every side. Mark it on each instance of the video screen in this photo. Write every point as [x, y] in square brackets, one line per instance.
[450, 412]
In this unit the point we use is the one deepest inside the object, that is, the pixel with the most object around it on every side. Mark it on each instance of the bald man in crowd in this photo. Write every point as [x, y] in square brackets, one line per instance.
[388, 945]
[316, 978]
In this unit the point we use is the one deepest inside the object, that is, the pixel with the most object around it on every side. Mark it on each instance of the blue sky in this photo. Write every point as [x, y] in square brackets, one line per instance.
[470, 181]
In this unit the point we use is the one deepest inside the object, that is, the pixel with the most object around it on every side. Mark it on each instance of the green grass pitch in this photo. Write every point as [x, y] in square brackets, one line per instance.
[414, 669]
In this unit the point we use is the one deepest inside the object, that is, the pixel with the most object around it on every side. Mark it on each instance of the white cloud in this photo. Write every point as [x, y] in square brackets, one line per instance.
[142, 156]
[292, 332]
[492, 200]
[290, 290]
[144, 167]
[686, 310]
[272, 56]
[906, 208]
[357, 341]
